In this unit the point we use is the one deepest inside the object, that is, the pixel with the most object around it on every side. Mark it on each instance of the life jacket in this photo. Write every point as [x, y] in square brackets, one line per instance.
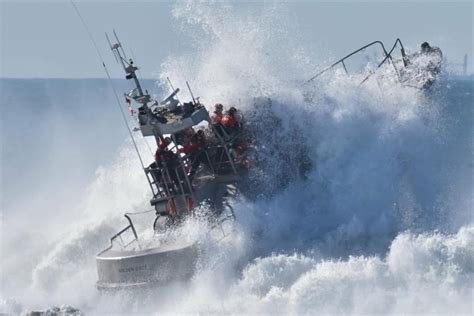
[229, 121]
[195, 144]
[216, 117]
[161, 150]
[190, 147]
[164, 155]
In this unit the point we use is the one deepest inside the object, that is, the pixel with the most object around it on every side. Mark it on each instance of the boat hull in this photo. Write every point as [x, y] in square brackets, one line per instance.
[137, 268]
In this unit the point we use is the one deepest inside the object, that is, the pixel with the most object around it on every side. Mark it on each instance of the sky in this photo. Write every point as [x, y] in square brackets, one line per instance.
[47, 40]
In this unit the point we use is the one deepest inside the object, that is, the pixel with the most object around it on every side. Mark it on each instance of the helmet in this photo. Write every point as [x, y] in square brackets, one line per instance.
[200, 134]
[218, 107]
[167, 141]
[232, 110]
[164, 142]
[425, 46]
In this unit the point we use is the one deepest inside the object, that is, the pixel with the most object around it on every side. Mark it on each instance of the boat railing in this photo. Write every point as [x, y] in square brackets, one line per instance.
[221, 161]
[161, 178]
[223, 138]
[225, 217]
[387, 58]
[118, 236]
[165, 181]
[389, 55]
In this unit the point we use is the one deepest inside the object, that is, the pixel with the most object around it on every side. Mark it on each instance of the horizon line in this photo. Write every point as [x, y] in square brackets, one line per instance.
[70, 78]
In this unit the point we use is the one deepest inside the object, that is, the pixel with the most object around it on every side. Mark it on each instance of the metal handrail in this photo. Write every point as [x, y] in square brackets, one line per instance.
[389, 54]
[347, 56]
[117, 235]
[224, 145]
[162, 183]
[388, 57]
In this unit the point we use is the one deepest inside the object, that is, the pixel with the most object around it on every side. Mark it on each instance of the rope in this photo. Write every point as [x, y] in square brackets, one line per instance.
[148, 145]
[111, 83]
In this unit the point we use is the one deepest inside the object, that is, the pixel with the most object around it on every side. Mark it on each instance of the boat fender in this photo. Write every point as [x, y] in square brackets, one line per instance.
[189, 203]
[171, 208]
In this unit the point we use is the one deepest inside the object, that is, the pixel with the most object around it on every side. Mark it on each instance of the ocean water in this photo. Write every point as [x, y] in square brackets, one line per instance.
[381, 223]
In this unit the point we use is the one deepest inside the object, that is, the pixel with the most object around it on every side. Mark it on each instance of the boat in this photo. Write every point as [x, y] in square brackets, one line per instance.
[179, 184]
[418, 70]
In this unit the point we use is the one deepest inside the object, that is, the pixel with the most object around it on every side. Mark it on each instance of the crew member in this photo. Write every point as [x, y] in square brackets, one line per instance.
[241, 146]
[161, 153]
[155, 168]
[166, 163]
[194, 151]
[426, 50]
[184, 136]
[217, 115]
[231, 122]
[427, 62]
[437, 56]
[232, 125]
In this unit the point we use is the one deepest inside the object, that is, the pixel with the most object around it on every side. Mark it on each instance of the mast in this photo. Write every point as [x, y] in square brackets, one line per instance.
[144, 112]
[130, 72]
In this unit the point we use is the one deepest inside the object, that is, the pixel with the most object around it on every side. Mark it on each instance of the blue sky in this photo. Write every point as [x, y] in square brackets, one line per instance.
[46, 39]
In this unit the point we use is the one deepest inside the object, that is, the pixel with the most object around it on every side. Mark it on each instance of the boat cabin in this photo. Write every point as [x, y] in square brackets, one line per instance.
[195, 160]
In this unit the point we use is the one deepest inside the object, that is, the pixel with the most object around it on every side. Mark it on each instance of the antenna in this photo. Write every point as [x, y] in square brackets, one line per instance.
[190, 92]
[171, 85]
[115, 49]
[129, 68]
[111, 47]
[120, 45]
[110, 81]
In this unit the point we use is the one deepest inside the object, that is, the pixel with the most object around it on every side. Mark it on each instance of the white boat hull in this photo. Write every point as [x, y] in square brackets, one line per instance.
[136, 268]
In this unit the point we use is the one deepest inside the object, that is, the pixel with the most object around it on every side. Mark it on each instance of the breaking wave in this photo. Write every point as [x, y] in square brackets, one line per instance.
[380, 223]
